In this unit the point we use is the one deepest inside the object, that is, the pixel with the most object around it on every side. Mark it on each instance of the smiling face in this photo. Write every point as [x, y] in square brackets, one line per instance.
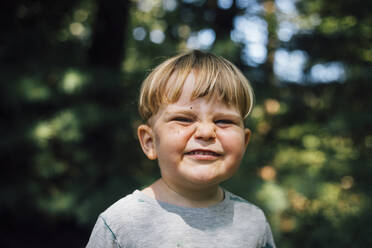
[198, 143]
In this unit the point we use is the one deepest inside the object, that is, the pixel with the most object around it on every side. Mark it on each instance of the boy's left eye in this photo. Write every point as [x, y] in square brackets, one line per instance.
[222, 122]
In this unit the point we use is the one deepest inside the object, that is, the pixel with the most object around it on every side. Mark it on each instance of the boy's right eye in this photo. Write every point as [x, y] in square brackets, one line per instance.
[182, 119]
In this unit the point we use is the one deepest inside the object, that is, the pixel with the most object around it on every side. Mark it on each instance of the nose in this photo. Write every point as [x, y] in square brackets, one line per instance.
[205, 131]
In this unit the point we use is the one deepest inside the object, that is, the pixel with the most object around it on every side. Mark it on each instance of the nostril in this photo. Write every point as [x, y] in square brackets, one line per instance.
[205, 132]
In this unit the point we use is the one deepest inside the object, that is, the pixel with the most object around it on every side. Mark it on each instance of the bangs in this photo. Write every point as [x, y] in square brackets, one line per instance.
[215, 77]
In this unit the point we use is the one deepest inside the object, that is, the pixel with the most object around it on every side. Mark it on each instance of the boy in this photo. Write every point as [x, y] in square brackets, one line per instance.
[193, 106]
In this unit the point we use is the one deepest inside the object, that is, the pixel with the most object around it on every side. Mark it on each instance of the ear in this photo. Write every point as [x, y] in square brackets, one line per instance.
[146, 139]
[247, 136]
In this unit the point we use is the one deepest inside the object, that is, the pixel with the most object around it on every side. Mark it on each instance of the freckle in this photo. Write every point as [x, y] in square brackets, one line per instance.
[190, 107]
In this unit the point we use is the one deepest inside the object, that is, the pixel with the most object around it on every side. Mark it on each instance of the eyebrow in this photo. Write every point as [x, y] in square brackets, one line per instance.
[188, 111]
[180, 111]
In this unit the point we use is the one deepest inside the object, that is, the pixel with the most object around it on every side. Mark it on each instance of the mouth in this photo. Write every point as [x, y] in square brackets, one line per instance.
[203, 153]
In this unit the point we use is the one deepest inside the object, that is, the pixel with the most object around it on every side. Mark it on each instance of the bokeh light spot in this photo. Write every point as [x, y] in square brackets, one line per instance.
[224, 4]
[169, 5]
[77, 29]
[139, 33]
[157, 36]
[328, 72]
[72, 81]
[204, 39]
[347, 182]
[272, 106]
[267, 173]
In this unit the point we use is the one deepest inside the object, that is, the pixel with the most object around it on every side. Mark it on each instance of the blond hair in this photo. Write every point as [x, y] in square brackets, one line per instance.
[214, 77]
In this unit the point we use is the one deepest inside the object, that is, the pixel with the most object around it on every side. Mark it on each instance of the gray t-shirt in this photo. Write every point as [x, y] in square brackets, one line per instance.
[138, 220]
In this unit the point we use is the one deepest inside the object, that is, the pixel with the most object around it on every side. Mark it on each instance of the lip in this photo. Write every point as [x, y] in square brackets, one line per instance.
[203, 154]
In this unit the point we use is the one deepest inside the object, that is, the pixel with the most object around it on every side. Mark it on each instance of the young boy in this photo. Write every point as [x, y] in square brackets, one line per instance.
[193, 106]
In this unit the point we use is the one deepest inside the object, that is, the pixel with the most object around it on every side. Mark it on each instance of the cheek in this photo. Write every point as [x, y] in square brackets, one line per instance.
[175, 132]
[233, 143]
[172, 138]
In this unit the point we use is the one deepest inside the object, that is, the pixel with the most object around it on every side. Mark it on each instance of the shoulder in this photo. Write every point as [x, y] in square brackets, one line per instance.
[241, 202]
[113, 224]
[245, 209]
[251, 219]
[127, 202]
[126, 211]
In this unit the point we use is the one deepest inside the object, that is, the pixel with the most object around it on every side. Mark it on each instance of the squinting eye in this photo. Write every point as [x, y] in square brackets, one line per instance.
[182, 119]
[224, 122]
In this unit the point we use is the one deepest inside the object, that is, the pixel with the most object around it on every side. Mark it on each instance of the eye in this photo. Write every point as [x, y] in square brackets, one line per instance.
[182, 119]
[224, 122]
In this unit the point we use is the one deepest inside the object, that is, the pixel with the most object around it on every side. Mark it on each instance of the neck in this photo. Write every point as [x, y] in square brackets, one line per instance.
[206, 197]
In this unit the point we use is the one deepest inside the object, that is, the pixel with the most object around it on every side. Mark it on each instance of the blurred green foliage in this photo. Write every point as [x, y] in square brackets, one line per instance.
[69, 114]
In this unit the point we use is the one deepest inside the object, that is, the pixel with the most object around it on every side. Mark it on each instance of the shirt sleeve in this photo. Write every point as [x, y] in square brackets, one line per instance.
[268, 239]
[102, 236]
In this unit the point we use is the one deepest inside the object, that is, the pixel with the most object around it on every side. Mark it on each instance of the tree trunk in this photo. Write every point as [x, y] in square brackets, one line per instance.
[107, 49]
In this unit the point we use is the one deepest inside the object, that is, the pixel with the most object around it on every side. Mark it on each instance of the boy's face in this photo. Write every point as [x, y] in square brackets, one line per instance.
[197, 143]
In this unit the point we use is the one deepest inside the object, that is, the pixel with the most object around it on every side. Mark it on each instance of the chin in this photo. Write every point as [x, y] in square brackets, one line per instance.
[206, 180]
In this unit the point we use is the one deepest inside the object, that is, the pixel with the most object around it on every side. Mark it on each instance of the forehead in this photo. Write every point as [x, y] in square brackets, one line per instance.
[200, 106]
[192, 84]
[189, 88]
[187, 100]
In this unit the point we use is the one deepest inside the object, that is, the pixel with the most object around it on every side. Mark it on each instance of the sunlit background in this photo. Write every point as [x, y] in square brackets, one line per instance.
[71, 72]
